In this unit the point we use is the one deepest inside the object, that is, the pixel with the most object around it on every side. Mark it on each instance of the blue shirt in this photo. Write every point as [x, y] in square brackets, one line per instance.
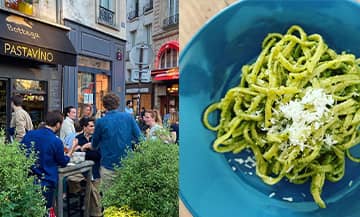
[114, 133]
[50, 151]
[69, 139]
[129, 110]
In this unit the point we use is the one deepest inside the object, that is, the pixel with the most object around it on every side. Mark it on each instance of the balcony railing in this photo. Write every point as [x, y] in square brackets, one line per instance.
[106, 16]
[171, 21]
[133, 14]
[148, 6]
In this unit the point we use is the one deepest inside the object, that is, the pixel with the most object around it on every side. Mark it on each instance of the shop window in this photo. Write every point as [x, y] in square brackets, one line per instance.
[102, 87]
[35, 98]
[86, 89]
[169, 59]
[173, 89]
[91, 89]
[23, 6]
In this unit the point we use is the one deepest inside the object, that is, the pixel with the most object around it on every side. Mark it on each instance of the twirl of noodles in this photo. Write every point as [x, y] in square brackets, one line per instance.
[297, 108]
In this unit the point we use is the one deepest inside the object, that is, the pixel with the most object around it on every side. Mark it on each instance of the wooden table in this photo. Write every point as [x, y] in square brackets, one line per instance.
[83, 167]
[193, 15]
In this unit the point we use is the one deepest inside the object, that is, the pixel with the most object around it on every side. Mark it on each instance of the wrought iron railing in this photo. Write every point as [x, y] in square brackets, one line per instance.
[148, 7]
[106, 16]
[171, 21]
[133, 14]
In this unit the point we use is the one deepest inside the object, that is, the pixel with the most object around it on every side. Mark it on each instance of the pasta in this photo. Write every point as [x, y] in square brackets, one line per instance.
[297, 108]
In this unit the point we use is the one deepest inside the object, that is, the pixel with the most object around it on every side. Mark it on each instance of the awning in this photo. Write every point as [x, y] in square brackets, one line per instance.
[165, 74]
[33, 40]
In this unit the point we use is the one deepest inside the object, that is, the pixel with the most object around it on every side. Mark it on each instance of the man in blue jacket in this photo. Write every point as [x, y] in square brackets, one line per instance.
[50, 155]
[114, 134]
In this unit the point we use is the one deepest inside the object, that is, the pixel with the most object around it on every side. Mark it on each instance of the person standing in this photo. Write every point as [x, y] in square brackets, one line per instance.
[20, 119]
[86, 111]
[50, 155]
[68, 127]
[114, 134]
[151, 120]
[173, 122]
[129, 107]
[167, 115]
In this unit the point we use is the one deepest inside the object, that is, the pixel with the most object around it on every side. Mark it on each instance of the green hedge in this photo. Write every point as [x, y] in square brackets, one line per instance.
[19, 196]
[147, 181]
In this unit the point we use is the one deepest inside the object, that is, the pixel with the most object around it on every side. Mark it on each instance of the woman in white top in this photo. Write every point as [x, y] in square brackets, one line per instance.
[150, 119]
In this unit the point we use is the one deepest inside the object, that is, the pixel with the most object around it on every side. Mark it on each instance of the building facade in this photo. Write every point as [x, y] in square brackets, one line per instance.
[60, 53]
[99, 36]
[165, 73]
[34, 49]
[140, 17]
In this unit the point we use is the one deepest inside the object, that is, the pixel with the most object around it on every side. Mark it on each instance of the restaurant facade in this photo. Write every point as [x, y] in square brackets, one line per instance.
[60, 53]
[32, 56]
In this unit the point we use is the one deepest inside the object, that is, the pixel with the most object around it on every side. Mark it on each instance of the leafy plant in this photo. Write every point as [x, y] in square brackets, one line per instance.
[120, 212]
[147, 181]
[19, 196]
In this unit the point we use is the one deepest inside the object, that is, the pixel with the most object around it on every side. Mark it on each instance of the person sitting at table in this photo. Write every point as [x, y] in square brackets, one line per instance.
[50, 156]
[82, 143]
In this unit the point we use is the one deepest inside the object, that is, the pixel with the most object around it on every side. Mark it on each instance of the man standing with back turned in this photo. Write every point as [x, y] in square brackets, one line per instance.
[50, 154]
[114, 133]
[20, 119]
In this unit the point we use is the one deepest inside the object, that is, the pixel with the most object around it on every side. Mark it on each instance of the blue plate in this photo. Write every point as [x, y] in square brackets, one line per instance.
[215, 185]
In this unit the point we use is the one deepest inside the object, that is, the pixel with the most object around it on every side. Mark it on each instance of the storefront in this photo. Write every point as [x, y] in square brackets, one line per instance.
[165, 77]
[100, 68]
[32, 56]
[133, 92]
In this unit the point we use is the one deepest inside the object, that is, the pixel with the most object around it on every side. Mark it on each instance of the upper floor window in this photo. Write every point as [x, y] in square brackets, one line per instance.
[148, 29]
[169, 58]
[148, 6]
[107, 13]
[133, 38]
[23, 6]
[134, 10]
[172, 15]
[173, 7]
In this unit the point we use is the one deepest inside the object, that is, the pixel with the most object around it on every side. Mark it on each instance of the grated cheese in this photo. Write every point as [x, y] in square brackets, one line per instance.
[298, 117]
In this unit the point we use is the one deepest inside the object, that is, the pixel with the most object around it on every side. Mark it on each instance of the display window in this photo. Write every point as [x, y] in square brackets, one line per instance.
[91, 89]
[35, 98]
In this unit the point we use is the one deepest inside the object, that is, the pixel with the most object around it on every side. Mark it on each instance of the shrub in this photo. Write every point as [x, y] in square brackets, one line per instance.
[147, 181]
[120, 212]
[18, 195]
